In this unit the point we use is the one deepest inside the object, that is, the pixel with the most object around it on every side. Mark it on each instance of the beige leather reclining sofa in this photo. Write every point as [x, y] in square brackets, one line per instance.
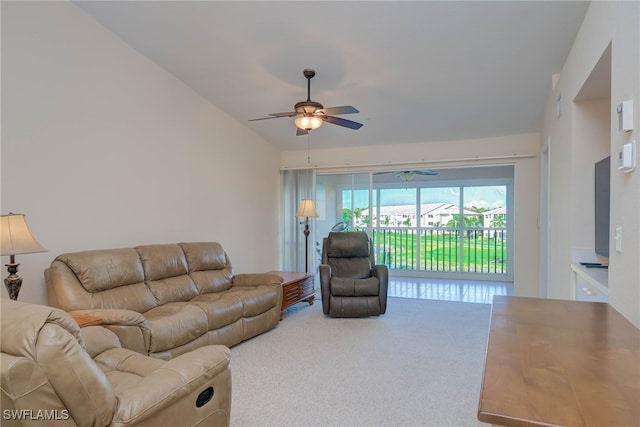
[56, 374]
[167, 299]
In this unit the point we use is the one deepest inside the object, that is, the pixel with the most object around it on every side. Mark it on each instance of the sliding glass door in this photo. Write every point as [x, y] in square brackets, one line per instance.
[431, 226]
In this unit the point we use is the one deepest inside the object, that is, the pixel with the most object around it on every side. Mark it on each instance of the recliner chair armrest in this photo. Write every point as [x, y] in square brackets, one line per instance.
[164, 394]
[381, 271]
[325, 281]
[256, 279]
[131, 327]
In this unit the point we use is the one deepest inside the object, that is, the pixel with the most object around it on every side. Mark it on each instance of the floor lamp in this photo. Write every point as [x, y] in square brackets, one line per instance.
[16, 239]
[307, 210]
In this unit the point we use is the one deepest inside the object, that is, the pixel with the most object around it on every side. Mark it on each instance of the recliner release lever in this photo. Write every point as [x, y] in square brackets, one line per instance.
[204, 397]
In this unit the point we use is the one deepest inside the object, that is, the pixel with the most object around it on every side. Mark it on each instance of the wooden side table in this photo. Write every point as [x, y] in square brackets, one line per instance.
[85, 320]
[296, 287]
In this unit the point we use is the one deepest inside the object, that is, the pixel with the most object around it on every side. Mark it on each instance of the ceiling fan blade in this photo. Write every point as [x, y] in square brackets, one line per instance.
[262, 118]
[346, 109]
[426, 172]
[276, 115]
[300, 132]
[342, 122]
[287, 114]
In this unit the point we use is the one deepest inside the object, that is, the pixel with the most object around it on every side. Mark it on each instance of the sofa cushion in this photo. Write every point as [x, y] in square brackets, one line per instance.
[209, 266]
[162, 261]
[100, 270]
[222, 309]
[173, 289]
[255, 299]
[204, 256]
[165, 271]
[174, 324]
[71, 287]
[213, 280]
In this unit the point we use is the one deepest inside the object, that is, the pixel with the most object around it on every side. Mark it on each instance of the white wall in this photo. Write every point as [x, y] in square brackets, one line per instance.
[592, 127]
[101, 148]
[605, 23]
[518, 150]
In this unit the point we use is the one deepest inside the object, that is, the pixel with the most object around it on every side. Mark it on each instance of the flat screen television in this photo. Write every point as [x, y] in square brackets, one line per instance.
[602, 196]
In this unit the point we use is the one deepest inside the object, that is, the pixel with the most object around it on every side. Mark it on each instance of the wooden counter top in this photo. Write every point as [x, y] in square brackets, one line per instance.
[558, 362]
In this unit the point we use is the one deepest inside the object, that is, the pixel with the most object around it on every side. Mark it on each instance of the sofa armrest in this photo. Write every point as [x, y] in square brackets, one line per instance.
[257, 279]
[131, 327]
[167, 395]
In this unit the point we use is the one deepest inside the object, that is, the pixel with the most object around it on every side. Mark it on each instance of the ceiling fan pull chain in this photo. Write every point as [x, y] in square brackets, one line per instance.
[309, 148]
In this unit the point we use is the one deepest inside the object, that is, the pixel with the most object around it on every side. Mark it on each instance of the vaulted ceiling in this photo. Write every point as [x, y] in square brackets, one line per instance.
[417, 71]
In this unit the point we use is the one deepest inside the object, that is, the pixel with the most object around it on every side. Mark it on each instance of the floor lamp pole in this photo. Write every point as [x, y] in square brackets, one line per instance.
[306, 210]
[306, 245]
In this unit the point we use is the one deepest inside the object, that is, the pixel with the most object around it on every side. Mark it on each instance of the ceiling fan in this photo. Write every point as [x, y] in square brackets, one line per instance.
[410, 174]
[310, 114]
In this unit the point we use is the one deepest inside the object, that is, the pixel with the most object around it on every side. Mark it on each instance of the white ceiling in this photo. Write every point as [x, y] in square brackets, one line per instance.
[417, 71]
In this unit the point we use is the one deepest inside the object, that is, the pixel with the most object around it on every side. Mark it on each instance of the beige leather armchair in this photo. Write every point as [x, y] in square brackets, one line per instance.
[55, 373]
[351, 283]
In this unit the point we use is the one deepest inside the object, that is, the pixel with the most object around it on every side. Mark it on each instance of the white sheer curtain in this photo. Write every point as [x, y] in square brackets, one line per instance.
[296, 185]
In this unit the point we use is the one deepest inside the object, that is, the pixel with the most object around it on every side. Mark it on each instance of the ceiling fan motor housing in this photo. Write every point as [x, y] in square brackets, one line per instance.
[308, 107]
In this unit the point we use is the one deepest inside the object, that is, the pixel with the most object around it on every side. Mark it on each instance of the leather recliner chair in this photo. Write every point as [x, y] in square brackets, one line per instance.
[351, 283]
[55, 373]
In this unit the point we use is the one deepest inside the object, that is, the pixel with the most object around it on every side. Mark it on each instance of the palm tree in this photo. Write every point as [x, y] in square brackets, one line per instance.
[499, 221]
[346, 215]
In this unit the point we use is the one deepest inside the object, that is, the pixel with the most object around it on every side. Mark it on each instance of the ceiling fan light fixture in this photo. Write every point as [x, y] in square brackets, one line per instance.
[308, 122]
[406, 176]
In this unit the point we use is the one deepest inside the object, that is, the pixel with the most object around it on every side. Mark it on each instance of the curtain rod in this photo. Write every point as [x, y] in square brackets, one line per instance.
[424, 162]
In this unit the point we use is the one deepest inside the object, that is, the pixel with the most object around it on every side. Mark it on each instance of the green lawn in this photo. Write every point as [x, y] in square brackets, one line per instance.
[440, 251]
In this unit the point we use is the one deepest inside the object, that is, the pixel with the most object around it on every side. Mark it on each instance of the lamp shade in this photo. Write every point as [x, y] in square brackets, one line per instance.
[308, 122]
[15, 236]
[307, 208]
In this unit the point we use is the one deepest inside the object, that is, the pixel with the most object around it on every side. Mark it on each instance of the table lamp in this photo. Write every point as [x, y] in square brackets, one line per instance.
[307, 210]
[16, 239]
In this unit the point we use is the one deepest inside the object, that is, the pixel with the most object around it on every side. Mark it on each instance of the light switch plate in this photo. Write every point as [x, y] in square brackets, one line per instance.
[627, 157]
[625, 116]
[618, 239]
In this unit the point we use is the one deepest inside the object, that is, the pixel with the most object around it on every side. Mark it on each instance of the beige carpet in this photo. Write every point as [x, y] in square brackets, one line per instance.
[420, 364]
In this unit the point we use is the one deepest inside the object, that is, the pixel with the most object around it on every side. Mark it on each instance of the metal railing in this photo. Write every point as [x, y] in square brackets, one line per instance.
[442, 249]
